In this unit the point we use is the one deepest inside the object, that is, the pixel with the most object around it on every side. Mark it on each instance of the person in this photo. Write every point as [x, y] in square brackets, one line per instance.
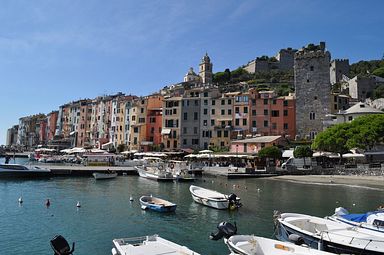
[7, 158]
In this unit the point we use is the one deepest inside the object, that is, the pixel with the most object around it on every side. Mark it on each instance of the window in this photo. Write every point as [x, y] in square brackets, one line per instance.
[212, 122]
[265, 112]
[311, 68]
[205, 94]
[275, 113]
[222, 144]
[184, 130]
[218, 133]
[213, 111]
[135, 140]
[213, 102]
[185, 116]
[285, 126]
[253, 101]
[312, 116]
[237, 109]
[175, 144]
[205, 122]
[225, 133]
[245, 98]
[205, 102]
[245, 109]
[222, 112]
[350, 118]
[237, 122]
[184, 141]
[265, 123]
[244, 122]
[285, 112]
[274, 126]
[135, 130]
[265, 101]
[195, 116]
[195, 141]
[229, 111]
[274, 101]
[205, 111]
[195, 130]
[253, 112]
[222, 102]
[254, 123]
[285, 103]
[196, 102]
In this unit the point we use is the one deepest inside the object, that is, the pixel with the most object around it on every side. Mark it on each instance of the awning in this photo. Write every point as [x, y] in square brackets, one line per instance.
[287, 154]
[165, 131]
[146, 143]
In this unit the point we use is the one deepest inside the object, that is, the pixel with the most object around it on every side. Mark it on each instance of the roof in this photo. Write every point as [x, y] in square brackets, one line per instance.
[260, 139]
[361, 108]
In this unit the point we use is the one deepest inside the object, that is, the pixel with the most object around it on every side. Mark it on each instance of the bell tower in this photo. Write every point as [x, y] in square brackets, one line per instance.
[205, 70]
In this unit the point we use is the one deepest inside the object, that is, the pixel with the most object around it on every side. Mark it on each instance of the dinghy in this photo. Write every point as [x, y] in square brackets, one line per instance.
[327, 235]
[254, 245]
[103, 176]
[370, 221]
[214, 199]
[157, 204]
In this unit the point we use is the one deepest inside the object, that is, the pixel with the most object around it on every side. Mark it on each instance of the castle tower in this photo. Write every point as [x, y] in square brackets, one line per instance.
[338, 68]
[205, 70]
[313, 89]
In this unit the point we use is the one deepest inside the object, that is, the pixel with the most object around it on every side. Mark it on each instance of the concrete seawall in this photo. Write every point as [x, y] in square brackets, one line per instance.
[80, 170]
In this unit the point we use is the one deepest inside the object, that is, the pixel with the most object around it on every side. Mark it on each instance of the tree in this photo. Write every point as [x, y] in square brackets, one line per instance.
[379, 72]
[302, 152]
[270, 152]
[121, 147]
[378, 92]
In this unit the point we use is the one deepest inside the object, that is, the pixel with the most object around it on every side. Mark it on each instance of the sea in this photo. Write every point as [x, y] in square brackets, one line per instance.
[106, 212]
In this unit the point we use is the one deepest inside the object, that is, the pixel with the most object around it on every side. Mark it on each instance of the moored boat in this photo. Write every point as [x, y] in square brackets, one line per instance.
[180, 171]
[255, 245]
[327, 235]
[23, 171]
[155, 172]
[214, 199]
[369, 221]
[149, 245]
[104, 176]
[157, 204]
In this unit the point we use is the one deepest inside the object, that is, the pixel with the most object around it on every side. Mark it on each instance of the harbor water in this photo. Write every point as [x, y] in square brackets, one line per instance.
[107, 213]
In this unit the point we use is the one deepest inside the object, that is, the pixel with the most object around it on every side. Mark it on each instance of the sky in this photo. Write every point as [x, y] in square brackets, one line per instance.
[54, 52]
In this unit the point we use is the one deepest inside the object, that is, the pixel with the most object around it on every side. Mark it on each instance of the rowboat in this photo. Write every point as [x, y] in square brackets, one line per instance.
[149, 245]
[157, 204]
[214, 199]
[103, 176]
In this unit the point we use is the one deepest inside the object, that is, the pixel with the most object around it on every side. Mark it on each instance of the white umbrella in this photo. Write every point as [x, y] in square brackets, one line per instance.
[205, 151]
[353, 155]
[97, 151]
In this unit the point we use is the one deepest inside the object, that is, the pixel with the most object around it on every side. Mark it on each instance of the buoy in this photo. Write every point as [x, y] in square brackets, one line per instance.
[20, 200]
[337, 202]
[47, 203]
[78, 204]
[353, 204]
[258, 189]
[131, 198]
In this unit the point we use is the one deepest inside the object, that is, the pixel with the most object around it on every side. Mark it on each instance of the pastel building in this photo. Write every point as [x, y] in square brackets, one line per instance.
[172, 109]
[153, 137]
[222, 119]
[255, 144]
[138, 124]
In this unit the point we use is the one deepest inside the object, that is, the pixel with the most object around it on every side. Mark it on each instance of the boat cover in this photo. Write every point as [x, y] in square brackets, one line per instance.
[356, 217]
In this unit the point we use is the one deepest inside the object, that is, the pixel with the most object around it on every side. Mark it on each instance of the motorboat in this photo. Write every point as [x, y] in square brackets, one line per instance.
[154, 169]
[255, 245]
[23, 171]
[370, 221]
[104, 176]
[180, 171]
[156, 204]
[214, 199]
[327, 235]
[149, 245]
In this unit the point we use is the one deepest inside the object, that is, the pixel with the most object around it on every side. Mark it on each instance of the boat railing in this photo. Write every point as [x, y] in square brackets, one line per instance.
[135, 240]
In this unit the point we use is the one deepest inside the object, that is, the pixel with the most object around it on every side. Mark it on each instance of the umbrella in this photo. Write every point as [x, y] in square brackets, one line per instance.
[353, 155]
[205, 151]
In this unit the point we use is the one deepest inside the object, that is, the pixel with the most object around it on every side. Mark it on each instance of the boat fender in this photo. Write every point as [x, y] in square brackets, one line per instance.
[171, 165]
[341, 211]
[296, 239]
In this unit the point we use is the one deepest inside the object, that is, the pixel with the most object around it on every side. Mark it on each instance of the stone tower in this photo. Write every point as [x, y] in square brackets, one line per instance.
[205, 70]
[338, 68]
[313, 89]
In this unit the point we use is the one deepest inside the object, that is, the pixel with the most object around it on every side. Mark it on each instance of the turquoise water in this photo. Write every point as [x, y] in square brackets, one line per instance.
[107, 213]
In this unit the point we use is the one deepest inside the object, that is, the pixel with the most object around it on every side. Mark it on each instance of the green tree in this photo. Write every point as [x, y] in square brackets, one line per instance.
[302, 152]
[378, 92]
[379, 72]
[270, 152]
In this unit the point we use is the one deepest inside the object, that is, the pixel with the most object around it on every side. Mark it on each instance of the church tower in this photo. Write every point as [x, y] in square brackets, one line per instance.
[205, 70]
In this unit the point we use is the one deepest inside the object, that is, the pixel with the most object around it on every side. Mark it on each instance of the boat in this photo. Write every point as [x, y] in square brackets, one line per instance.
[180, 171]
[370, 221]
[23, 171]
[104, 176]
[149, 245]
[157, 204]
[327, 235]
[154, 169]
[214, 199]
[255, 245]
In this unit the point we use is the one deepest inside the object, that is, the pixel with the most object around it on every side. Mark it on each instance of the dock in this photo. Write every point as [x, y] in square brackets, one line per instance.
[80, 170]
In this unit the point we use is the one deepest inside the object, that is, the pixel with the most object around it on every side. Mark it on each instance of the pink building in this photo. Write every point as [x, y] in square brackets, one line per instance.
[253, 145]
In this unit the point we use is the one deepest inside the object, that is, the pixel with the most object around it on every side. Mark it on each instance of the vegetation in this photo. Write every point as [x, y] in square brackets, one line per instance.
[302, 152]
[270, 152]
[378, 92]
[364, 133]
[379, 71]
[375, 67]
[218, 149]
[121, 147]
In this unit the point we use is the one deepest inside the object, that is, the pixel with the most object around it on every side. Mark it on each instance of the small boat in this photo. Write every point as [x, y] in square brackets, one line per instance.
[327, 235]
[370, 221]
[103, 176]
[214, 199]
[157, 204]
[254, 245]
[23, 171]
[149, 245]
[180, 171]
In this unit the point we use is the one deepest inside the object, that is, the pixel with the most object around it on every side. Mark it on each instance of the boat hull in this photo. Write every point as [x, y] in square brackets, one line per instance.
[22, 171]
[154, 176]
[104, 176]
[221, 205]
[163, 207]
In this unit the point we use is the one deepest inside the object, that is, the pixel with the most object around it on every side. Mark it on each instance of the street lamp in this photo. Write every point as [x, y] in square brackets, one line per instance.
[237, 156]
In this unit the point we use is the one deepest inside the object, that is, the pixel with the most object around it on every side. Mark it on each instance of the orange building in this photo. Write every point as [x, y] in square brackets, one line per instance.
[154, 122]
[51, 124]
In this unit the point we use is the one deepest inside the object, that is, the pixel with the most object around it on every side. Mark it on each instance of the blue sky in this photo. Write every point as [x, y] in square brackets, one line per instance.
[53, 52]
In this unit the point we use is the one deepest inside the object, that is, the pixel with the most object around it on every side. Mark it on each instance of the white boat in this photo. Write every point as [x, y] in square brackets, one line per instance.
[180, 170]
[148, 245]
[22, 171]
[154, 169]
[213, 198]
[327, 235]
[373, 222]
[254, 245]
[104, 176]
[156, 204]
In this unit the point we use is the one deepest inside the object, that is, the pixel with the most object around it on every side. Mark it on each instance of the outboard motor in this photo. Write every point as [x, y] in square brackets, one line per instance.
[341, 211]
[296, 239]
[233, 202]
[225, 229]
